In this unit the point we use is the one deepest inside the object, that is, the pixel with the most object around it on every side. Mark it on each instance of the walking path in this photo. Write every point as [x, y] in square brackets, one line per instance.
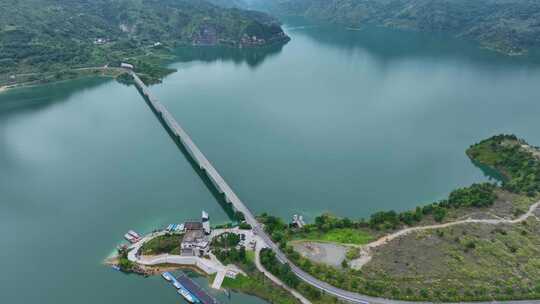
[366, 249]
[209, 266]
[271, 277]
[220, 276]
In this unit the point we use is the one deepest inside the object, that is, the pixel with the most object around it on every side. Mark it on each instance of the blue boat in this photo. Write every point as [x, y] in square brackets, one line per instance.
[168, 276]
[189, 297]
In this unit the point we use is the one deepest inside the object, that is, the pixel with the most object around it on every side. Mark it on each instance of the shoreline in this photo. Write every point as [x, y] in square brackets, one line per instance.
[158, 269]
[165, 59]
[8, 87]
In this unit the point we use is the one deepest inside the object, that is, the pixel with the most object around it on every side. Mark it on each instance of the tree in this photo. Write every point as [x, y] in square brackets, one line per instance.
[242, 254]
[240, 216]
[439, 214]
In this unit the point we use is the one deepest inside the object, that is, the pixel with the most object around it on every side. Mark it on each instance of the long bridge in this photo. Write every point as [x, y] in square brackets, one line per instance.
[196, 155]
[230, 197]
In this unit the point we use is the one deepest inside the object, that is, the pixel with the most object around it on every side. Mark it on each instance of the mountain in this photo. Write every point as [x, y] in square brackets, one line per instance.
[230, 3]
[39, 36]
[508, 26]
[245, 4]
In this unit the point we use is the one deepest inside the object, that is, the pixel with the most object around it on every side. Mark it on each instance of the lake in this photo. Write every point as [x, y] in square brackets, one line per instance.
[343, 121]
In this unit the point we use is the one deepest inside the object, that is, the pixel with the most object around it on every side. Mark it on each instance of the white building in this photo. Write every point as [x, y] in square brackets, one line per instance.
[126, 66]
[206, 223]
[195, 241]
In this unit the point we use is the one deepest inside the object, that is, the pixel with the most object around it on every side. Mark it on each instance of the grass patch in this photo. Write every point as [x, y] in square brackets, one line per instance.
[338, 235]
[168, 243]
[250, 256]
[260, 287]
[353, 253]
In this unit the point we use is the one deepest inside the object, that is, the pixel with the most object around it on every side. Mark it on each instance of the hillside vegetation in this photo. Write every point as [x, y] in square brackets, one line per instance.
[43, 36]
[508, 26]
[465, 262]
[516, 160]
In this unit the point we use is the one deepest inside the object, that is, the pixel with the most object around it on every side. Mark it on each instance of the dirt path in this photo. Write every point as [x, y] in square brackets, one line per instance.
[365, 255]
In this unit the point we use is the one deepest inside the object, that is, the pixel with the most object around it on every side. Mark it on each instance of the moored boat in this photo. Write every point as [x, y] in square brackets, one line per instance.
[129, 238]
[184, 293]
[177, 285]
[167, 276]
[134, 234]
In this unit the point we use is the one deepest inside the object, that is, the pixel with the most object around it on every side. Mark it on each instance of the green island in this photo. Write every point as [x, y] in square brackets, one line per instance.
[506, 26]
[480, 244]
[52, 40]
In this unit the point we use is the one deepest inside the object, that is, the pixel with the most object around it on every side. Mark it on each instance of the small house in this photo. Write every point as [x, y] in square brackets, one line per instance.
[126, 66]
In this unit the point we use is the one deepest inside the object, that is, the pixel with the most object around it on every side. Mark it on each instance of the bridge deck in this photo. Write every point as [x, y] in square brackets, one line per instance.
[195, 153]
[238, 205]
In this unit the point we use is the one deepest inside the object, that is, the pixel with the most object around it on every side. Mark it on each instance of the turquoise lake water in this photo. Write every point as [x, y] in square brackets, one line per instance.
[349, 122]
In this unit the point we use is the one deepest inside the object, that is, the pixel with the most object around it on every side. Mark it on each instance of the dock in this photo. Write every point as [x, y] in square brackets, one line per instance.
[195, 290]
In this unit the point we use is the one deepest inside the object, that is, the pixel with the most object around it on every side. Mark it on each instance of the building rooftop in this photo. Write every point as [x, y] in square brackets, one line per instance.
[193, 236]
[193, 225]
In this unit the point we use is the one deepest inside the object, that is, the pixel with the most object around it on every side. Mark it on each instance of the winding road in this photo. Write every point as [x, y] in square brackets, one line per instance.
[364, 299]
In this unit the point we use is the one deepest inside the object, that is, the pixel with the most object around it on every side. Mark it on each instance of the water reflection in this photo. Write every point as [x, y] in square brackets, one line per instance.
[253, 57]
[489, 172]
[403, 44]
[19, 101]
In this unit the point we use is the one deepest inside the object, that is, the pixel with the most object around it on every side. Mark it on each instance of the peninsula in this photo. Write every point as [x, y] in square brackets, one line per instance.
[479, 244]
[52, 40]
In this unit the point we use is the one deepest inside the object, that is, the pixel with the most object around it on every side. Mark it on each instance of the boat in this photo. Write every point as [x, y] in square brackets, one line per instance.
[134, 234]
[184, 293]
[170, 227]
[129, 238]
[167, 276]
[177, 284]
[115, 267]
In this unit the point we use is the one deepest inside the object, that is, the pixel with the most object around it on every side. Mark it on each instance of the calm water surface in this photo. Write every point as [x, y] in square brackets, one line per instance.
[344, 121]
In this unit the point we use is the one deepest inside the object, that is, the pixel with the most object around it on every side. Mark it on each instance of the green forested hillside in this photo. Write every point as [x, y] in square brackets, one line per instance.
[38, 36]
[508, 26]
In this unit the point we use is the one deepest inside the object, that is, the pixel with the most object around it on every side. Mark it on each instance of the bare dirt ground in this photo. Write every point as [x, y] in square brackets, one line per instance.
[326, 253]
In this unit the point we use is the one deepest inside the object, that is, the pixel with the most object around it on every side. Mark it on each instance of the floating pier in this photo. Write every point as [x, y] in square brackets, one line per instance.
[189, 289]
[195, 290]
